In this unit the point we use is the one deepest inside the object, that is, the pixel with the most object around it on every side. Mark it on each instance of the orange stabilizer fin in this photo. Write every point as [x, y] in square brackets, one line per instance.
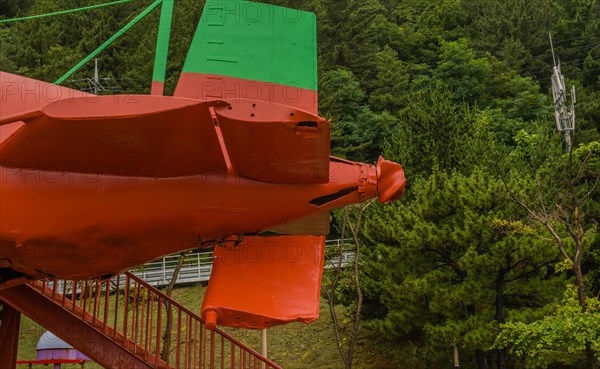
[275, 143]
[265, 281]
[22, 97]
[125, 135]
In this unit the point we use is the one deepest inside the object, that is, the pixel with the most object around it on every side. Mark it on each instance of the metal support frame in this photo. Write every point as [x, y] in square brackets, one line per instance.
[122, 323]
[109, 41]
[69, 328]
[10, 20]
[162, 48]
[10, 322]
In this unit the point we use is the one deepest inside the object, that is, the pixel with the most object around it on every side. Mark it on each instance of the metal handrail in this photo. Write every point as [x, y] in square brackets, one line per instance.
[149, 324]
[198, 266]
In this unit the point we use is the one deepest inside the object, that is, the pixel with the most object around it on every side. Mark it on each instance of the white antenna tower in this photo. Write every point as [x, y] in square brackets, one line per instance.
[564, 116]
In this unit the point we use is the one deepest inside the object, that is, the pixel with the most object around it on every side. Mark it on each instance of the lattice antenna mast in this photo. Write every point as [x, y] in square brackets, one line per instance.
[92, 85]
[563, 114]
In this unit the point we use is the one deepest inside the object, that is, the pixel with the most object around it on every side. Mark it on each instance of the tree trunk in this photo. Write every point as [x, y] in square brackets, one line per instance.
[591, 357]
[169, 324]
[351, 338]
[580, 285]
[481, 359]
[499, 316]
[501, 358]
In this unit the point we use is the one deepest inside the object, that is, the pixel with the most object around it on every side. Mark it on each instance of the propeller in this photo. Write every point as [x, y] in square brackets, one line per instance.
[390, 181]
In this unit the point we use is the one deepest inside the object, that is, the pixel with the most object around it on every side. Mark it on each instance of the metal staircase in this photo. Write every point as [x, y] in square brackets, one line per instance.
[125, 323]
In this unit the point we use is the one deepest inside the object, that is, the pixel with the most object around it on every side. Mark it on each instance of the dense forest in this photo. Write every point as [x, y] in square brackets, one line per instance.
[494, 249]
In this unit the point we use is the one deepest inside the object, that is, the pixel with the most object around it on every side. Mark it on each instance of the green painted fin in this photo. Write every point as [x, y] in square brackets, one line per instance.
[255, 41]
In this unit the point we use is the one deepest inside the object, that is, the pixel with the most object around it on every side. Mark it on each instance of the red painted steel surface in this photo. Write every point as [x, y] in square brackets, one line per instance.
[391, 181]
[142, 187]
[275, 143]
[207, 87]
[9, 129]
[158, 88]
[265, 281]
[80, 226]
[126, 135]
[92, 186]
[20, 94]
[10, 320]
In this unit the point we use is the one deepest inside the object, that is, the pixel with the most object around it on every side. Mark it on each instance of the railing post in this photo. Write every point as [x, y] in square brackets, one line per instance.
[212, 349]
[164, 268]
[125, 306]
[199, 267]
[158, 329]
[264, 344]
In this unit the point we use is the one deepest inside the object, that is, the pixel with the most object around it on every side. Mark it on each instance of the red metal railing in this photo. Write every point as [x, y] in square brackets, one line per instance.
[151, 325]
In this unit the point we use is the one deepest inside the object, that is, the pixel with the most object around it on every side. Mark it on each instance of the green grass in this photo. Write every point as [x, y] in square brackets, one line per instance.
[294, 346]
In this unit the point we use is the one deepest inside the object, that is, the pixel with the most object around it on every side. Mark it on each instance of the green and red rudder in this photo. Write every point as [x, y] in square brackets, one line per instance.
[254, 51]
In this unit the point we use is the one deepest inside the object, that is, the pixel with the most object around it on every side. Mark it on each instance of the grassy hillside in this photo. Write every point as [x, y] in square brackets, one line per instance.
[294, 346]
